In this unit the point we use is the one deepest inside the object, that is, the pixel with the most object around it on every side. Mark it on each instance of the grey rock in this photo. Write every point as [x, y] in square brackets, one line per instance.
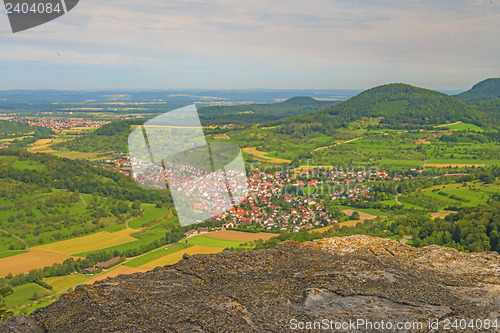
[342, 279]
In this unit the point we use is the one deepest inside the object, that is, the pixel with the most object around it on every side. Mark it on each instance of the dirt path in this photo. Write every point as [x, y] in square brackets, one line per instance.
[340, 143]
[261, 156]
[19, 238]
[83, 200]
[397, 201]
[456, 123]
[406, 239]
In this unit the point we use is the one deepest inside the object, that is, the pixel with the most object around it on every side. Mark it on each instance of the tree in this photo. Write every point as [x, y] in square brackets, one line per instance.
[354, 216]
[5, 290]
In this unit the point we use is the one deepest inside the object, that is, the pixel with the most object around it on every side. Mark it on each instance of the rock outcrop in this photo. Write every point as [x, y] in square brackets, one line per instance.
[337, 281]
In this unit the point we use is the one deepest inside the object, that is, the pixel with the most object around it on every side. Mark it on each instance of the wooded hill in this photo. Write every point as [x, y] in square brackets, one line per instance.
[260, 113]
[486, 90]
[392, 106]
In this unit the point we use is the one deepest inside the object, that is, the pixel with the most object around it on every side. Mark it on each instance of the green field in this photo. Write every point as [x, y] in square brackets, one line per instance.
[463, 127]
[208, 241]
[10, 254]
[370, 211]
[150, 213]
[144, 259]
[26, 165]
[22, 295]
[32, 307]
[60, 283]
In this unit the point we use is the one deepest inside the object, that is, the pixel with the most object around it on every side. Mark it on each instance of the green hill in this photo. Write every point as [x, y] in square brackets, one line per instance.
[393, 106]
[491, 107]
[110, 137]
[21, 135]
[260, 113]
[483, 91]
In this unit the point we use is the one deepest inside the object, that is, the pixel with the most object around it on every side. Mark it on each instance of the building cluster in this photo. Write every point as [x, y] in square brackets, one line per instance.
[58, 123]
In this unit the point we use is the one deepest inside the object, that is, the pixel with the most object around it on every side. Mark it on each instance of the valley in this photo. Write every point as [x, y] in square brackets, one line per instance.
[396, 161]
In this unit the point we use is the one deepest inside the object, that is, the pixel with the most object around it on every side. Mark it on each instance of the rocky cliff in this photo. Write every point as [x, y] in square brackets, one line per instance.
[347, 284]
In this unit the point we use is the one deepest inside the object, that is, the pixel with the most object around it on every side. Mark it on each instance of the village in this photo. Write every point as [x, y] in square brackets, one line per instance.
[277, 201]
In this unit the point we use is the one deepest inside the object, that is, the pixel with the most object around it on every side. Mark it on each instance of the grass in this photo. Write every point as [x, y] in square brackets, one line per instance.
[25, 165]
[90, 243]
[158, 233]
[370, 211]
[22, 295]
[60, 283]
[150, 213]
[25, 262]
[177, 256]
[208, 241]
[463, 127]
[156, 254]
[11, 254]
[32, 307]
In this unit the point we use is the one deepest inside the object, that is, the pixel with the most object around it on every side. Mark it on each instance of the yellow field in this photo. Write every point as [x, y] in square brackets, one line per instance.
[362, 216]
[42, 142]
[342, 224]
[261, 156]
[88, 243]
[117, 271]
[454, 165]
[239, 235]
[23, 263]
[177, 256]
[222, 137]
[440, 215]
[17, 138]
[74, 154]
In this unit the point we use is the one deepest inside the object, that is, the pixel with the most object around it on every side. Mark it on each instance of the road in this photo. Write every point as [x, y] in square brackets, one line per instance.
[19, 238]
[340, 143]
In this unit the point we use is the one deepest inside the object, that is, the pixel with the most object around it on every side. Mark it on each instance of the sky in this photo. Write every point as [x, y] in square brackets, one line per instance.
[280, 44]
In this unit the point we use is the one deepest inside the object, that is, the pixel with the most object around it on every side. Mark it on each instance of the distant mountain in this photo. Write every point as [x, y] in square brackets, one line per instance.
[260, 113]
[393, 105]
[483, 91]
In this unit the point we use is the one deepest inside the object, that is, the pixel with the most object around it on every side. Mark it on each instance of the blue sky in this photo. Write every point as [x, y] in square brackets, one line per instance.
[330, 44]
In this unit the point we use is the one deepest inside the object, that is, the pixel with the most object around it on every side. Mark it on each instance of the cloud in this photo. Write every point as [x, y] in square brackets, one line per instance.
[235, 42]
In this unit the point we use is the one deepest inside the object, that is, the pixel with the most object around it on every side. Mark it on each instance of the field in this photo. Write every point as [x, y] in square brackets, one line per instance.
[342, 224]
[362, 215]
[22, 294]
[453, 165]
[60, 283]
[156, 254]
[150, 213]
[10, 254]
[27, 261]
[261, 156]
[460, 126]
[216, 242]
[116, 271]
[239, 236]
[177, 256]
[92, 242]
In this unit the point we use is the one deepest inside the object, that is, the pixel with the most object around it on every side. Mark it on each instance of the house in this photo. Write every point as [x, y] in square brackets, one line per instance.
[89, 270]
[108, 263]
[190, 233]
[202, 229]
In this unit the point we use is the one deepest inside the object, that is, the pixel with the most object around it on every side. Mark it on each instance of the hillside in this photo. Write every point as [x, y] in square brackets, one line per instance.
[393, 106]
[483, 91]
[342, 279]
[110, 137]
[260, 113]
[22, 134]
